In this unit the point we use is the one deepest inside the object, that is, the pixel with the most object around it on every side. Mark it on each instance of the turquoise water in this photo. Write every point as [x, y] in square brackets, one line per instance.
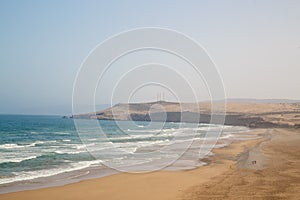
[42, 146]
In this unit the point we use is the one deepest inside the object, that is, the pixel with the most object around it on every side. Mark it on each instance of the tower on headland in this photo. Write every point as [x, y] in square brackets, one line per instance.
[160, 96]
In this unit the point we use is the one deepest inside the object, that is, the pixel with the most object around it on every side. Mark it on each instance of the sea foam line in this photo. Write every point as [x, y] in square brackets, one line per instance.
[23, 176]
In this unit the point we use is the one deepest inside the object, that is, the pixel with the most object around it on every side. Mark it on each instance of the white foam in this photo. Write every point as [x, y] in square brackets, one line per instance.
[69, 152]
[15, 159]
[22, 176]
[35, 143]
[10, 146]
[61, 133]
[17, 146]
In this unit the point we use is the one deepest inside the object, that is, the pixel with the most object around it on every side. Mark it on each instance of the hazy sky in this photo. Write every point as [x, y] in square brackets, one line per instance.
[255, 44]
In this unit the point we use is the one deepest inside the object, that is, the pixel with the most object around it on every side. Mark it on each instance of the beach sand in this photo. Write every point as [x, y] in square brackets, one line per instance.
[230, 174]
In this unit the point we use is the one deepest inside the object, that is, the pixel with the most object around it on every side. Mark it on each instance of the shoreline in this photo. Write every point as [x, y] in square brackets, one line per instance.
[224, 158]
[92, 172]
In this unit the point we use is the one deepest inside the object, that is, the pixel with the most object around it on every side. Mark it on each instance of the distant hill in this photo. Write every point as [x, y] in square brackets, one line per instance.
[256, 113]
[263, 100]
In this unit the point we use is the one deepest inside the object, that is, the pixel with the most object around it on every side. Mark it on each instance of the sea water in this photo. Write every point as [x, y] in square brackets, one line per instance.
[33, 147]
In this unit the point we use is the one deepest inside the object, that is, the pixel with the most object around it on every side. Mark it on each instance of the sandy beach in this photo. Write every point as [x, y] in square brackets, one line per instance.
[264, 168]
[149, 100]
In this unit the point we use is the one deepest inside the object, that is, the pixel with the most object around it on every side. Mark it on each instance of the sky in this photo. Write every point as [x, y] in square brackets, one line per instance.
[254, 44]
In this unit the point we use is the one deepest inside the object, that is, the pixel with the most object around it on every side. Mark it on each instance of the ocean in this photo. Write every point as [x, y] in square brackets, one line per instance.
[36, 151]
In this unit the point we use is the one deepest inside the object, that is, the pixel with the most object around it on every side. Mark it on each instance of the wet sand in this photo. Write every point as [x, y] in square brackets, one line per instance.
[230, 174]
[275, 175]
